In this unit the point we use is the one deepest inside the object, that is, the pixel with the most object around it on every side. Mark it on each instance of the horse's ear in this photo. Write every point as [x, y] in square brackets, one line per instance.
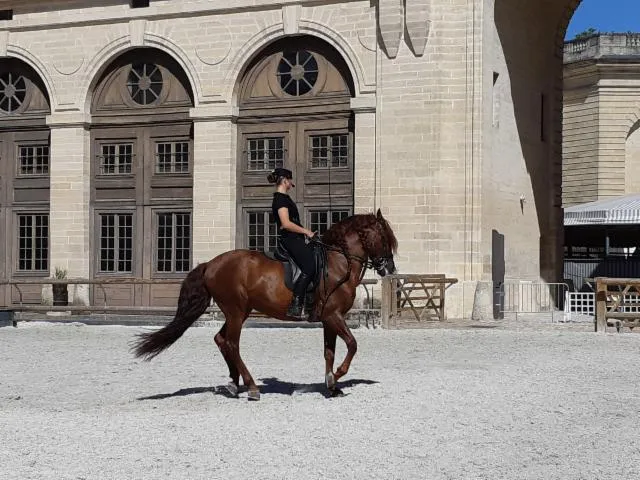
[379, 215]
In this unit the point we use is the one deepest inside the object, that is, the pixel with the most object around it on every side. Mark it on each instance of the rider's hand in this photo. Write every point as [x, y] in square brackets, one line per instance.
[311, 234]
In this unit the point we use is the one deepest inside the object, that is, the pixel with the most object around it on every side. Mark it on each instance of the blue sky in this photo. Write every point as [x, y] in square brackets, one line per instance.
[606, 16]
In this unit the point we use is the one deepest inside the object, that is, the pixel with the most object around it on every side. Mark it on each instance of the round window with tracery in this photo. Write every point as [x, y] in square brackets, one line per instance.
[13, 91]
[144, 83]
[297, 72]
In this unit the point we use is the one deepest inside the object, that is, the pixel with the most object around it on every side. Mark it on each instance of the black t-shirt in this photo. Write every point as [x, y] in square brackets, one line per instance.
[283, 200]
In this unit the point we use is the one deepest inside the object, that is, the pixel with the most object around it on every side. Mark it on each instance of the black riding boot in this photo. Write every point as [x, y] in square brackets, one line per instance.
[309, 303]
[299, 290]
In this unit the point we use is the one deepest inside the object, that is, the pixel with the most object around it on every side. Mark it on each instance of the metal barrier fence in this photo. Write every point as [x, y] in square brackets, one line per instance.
[524, 297]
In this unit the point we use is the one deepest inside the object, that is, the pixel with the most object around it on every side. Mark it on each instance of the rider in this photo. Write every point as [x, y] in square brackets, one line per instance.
[292, 236]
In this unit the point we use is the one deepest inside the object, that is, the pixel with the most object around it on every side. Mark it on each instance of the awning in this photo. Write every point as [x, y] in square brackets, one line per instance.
[611, 211]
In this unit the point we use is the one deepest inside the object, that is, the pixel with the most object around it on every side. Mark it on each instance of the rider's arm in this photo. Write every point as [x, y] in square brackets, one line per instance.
[287, 224]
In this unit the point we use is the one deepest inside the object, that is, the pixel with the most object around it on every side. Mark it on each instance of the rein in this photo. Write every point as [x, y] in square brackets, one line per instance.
[366, 264]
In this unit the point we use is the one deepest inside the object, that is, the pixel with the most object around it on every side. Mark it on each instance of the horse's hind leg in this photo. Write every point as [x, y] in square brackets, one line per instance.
[220, 340]
[235, 320]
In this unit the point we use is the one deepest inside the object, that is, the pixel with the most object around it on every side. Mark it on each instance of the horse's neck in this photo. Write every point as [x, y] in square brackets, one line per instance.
[357, 265]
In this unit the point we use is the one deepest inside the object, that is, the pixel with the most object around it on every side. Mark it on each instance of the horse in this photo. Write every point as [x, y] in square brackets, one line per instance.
[242, 280]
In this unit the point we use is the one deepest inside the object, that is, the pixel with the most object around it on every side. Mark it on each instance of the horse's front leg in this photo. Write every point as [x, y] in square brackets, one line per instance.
[339, 326]
[352, 347]
[330, 335]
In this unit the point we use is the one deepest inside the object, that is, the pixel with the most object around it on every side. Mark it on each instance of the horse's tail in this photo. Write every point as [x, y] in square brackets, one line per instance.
[194, 300]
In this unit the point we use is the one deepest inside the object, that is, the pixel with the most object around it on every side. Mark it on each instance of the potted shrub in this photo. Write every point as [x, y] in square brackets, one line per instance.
[60, 293]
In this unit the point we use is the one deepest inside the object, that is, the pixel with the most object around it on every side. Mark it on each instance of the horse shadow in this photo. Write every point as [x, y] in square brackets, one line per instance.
[269, 385]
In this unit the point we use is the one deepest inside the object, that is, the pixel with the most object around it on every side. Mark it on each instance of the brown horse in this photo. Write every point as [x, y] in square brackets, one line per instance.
[240, 281]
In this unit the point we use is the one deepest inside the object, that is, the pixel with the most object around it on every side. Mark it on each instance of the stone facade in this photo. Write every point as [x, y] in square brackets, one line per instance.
[457, 133]
[601, 118]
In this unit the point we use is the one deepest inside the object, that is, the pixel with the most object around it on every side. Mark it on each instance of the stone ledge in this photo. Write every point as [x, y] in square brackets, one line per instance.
[68, 120]
[364, 104]
[214, 112]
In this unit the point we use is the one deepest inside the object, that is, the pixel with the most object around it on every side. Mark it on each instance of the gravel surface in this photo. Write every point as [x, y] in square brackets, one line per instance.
[526, 403]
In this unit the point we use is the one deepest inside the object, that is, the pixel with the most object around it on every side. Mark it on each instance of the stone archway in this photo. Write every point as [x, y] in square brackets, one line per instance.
[24, 178]
[294, 111]
[141, 176]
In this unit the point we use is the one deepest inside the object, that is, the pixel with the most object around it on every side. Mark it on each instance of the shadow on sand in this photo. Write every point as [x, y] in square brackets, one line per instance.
[269, 386]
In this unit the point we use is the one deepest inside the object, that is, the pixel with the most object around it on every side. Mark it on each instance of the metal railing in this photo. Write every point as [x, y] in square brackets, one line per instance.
[524, 297]
[105, 308]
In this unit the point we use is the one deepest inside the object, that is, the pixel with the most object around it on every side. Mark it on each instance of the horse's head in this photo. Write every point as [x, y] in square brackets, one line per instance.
[374, 236]
[382, 245]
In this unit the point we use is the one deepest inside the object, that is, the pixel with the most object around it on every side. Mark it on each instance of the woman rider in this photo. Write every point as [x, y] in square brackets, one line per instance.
[292, 236]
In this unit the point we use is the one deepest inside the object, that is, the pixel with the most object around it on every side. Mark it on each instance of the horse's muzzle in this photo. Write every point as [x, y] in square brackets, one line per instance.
[387, 267]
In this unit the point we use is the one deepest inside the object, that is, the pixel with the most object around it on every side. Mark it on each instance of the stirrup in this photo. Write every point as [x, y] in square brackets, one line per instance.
[295, 309]
[309, 309]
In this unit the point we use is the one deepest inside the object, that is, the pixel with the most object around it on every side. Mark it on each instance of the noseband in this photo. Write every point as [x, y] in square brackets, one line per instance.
[380, 263]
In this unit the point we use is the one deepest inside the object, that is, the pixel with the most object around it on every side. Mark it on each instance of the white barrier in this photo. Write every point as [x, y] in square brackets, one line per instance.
[582, 305]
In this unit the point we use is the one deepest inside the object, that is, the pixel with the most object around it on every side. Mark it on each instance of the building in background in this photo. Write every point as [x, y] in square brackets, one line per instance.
[601, 157]
[136, 135]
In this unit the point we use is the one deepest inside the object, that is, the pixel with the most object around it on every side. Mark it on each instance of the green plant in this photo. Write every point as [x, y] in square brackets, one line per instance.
[60, 273]
[589, 32]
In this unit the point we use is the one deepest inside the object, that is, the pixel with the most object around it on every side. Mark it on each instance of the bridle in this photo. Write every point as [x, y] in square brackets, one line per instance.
[376, 263]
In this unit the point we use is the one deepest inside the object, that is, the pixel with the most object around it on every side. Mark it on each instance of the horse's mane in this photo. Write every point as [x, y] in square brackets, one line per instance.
[338, 231]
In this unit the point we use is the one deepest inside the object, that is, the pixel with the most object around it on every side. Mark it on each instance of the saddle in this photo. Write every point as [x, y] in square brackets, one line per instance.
[292, 270]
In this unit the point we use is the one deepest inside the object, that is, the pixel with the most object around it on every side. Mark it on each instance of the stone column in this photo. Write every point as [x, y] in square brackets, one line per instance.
[214, 181]
[69, 219]
[365, 171]
[366, 175]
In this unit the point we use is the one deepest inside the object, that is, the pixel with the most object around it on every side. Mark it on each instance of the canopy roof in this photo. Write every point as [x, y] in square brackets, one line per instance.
[611, 211]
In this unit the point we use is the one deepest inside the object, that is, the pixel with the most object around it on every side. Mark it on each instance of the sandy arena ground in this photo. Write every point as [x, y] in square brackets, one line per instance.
[519, 403]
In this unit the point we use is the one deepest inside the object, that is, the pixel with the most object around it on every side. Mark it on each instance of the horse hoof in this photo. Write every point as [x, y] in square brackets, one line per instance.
[232, 388]
[336, 393]
[253, 395]
[330, 381]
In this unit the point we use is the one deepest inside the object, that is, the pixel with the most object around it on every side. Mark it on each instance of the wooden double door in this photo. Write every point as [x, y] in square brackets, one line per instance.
[319, 152]
[141, 215]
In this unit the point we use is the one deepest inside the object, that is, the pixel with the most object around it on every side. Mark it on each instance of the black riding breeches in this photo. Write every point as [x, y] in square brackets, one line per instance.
[301, 252]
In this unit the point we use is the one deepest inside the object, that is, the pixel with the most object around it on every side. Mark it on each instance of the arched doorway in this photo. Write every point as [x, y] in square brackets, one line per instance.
[141, 179]
[294, 112]
[24, 178]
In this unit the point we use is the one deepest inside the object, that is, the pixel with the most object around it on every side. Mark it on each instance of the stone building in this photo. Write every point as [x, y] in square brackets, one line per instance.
[601, 157]
[601, 151]
[136, 134]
